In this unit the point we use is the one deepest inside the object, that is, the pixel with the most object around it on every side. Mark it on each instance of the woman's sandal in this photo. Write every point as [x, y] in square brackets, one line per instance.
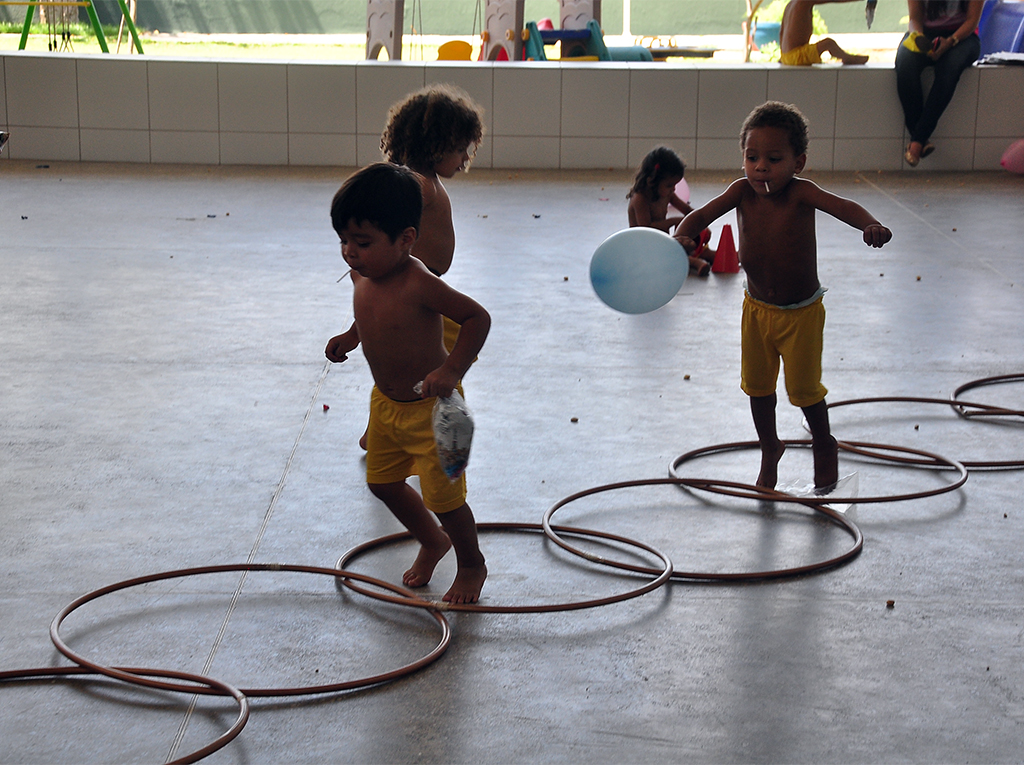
[910, 159]
[928, 149]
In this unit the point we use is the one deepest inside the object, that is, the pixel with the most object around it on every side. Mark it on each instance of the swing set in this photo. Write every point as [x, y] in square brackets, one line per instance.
[66, 7]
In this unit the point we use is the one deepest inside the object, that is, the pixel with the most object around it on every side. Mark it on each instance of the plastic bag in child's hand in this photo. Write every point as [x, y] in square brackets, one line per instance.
[453, 433]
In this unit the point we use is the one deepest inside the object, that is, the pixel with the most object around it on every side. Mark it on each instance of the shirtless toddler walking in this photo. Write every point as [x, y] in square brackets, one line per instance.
[398, 306]
[783, 314]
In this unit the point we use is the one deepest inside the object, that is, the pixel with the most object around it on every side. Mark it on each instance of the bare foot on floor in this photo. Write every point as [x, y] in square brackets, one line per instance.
[467, 585]
[425, 563]
[826, 465]
[851, 59]
[769, 475]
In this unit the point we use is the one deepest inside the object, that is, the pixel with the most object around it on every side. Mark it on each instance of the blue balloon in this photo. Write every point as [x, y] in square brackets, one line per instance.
[638, 270]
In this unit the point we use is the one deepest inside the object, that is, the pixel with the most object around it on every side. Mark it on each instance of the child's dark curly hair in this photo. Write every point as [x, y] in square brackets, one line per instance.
[428, 124]
[659, 164]
[778, 115]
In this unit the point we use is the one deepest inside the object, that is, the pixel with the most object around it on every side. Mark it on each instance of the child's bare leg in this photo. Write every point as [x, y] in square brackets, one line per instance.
[824, 447]
[830, 46]
[407, 506]
[762, 409]
[469, 579]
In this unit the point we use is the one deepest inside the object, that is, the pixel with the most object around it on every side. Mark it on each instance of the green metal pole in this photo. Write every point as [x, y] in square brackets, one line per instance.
[96, 26]
[131, 25]
[28, 23]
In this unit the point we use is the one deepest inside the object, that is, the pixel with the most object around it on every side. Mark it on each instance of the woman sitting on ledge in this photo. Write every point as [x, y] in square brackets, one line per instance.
[943, 34]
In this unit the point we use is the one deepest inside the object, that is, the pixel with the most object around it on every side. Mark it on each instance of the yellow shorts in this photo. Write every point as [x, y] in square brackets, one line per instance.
[451, 333]
[770, 332]
[805, 55]
[400, 443]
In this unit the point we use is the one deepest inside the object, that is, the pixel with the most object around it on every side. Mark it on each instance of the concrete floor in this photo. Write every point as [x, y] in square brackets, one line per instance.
[161, 393]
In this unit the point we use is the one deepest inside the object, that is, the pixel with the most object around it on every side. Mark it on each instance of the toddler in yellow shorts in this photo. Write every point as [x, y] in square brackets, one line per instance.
[793, 333]
[400, 443]
[805, 55]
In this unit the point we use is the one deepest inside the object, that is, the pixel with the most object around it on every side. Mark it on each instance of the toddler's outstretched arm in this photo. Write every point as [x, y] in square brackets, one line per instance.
[849, 212]
[698, 220]
[339, 346]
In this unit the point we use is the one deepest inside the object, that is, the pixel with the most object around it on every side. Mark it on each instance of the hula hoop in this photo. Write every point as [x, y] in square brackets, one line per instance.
[958, 405]
[128, 677]
[985, 410]
[863, 448]
[211, 684]
[738, 490]
[418, 602]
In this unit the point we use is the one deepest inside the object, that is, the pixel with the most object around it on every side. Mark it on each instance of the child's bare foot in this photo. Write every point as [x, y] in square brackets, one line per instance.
[467, 585]
[425, 563]
[826, 465]
[851, 59]
[699, 266]
[362, 441]
[769, 475]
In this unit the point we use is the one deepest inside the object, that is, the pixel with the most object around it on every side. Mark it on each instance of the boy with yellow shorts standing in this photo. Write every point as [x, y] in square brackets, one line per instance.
[783, 315]
[399, 306]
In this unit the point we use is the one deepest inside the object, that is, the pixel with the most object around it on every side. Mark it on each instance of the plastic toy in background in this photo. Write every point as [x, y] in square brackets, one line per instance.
[1013, 157]
[638, 270]
[455, 50]
[727, 260]
[683, 190]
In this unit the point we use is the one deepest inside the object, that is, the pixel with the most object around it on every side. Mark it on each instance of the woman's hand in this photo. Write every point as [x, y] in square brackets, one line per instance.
[941, 46]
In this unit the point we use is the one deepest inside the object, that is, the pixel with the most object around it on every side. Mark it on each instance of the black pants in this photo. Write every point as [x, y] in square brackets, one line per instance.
[922, 115]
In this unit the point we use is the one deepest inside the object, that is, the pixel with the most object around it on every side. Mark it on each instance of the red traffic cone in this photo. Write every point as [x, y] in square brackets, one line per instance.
[726, 259]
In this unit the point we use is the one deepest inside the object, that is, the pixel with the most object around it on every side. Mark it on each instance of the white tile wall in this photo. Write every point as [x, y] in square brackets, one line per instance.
[378, 85]
[527, 100]
[321, 99]
[326, 149]
[3, 92]
[868, 153]
[183, 95]
[988, 152]
[725, 98]
[1001, 102]
[103, 145]
[952, 154]
[537, 115]
[534, 152]
[595, 102]
[866, 103]
[5, 154]
[663, 103]
[57, 144]
[812, 90]
[593, 153]
[719, 154]
[820, 153]
[42, 91]
[185, 147]
[113, 93]
[253, 98]
[253, 148]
